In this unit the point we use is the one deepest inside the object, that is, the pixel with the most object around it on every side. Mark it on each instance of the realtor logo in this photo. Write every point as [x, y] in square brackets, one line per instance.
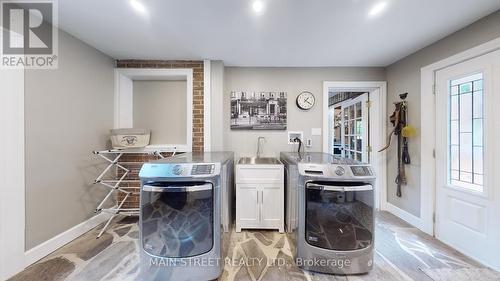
[29, 34]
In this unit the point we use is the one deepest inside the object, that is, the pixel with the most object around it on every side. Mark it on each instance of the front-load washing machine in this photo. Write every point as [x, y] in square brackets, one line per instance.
[330, 212]
[185, 216]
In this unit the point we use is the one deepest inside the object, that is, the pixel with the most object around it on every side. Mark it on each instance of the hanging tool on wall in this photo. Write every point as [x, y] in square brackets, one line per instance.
[403, 131]
[401, 177]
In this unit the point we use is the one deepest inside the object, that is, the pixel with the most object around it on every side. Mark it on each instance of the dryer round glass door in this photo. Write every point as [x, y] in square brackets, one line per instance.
[177, 218]
[339, 217]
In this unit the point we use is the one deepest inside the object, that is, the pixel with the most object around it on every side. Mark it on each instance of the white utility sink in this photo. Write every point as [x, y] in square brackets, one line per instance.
[259, 193]
[259, 161]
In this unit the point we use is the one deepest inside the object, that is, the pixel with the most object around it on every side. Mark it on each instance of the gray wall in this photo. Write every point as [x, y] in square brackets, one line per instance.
[293, 81]
[69, 112]
[161, 107]
[404, 76]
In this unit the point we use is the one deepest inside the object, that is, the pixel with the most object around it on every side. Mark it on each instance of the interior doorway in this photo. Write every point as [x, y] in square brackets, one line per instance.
[354, 126]
[348, 125]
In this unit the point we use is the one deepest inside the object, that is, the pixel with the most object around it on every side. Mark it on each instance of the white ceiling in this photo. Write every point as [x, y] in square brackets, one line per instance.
[285, 33]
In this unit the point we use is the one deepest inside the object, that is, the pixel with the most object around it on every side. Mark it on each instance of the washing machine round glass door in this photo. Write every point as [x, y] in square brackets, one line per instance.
[339, 216]
[177, 218]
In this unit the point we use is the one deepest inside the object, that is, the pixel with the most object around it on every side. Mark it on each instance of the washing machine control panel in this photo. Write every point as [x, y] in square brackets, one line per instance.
[361, 171]
[194, 169]
[160, 170]
[335, 171]
[202, 169]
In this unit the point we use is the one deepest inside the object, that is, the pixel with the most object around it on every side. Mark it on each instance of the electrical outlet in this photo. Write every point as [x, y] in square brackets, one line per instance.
[309, 142]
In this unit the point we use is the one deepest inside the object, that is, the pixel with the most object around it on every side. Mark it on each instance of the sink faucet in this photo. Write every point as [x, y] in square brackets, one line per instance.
[258, 146]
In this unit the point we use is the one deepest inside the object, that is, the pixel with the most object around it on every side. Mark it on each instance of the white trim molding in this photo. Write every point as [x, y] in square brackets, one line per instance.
[12, 165]
[404, 215]
[38, 252]
[428, 128]
[123, 99]
[207, 93]
[378, 127]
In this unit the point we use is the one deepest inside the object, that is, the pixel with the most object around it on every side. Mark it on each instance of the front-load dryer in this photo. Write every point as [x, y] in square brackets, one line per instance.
[185, 215]
[330, 212]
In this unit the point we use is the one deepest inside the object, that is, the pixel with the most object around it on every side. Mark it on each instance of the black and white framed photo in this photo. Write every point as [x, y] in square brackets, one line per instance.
[258, 110]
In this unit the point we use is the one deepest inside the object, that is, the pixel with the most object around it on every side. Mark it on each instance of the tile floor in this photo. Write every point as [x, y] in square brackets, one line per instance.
[402, 253]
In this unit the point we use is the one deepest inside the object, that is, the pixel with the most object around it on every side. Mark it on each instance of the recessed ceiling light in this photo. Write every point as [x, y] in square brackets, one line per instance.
[377, 9]
[258, 6]
[138, 6]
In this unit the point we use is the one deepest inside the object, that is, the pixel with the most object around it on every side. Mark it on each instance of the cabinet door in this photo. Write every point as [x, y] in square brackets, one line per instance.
[247, 206]
[272, 206]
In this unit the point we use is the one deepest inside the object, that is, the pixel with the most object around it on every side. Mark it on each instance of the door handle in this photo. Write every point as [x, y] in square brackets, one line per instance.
[367, 187]
[174, 188]
[261, 203]
[325, 187]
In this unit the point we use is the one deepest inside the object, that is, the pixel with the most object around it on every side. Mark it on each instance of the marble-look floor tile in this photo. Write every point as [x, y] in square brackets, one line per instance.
[280, 243]
[265, 238]
[382, 270]
[284, 268]
[402, 253]
[243, 274]
[122, 230]
[388, 219]
[89, 246]
[255, 258]
[134, 234]
[463, 274]
[55, 269]
[427, 251]
[314, 276]
[105, 262]
[224, 276]
[127, 220]
[128, 269]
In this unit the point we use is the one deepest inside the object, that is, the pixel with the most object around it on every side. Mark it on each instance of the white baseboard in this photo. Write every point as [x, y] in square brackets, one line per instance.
[38, 252]
[404, 215]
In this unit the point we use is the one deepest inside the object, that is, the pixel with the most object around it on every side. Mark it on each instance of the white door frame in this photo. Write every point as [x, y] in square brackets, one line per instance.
[123, 102]
[12, 165]
[378, 127]
[428, 129]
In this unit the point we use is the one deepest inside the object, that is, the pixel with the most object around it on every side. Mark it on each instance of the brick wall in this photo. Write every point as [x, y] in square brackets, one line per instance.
[198, 78]
[134, 162]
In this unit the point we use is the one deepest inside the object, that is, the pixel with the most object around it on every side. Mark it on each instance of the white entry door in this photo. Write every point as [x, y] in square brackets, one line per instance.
[354, 139]
[467, 148]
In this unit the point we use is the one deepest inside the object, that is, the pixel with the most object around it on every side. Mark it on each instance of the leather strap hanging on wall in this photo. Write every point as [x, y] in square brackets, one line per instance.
[399, 120]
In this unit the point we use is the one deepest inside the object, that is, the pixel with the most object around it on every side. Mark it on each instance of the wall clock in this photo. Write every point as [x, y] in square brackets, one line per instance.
[305, 100]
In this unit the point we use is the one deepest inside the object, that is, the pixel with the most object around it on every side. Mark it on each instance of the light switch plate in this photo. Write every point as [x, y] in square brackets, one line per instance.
[316, 131]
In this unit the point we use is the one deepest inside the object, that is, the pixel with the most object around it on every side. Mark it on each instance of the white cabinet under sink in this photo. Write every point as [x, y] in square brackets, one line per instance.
[260, 196]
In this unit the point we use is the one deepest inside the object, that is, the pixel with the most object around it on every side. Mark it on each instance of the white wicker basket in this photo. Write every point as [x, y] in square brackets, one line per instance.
[130, 138]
